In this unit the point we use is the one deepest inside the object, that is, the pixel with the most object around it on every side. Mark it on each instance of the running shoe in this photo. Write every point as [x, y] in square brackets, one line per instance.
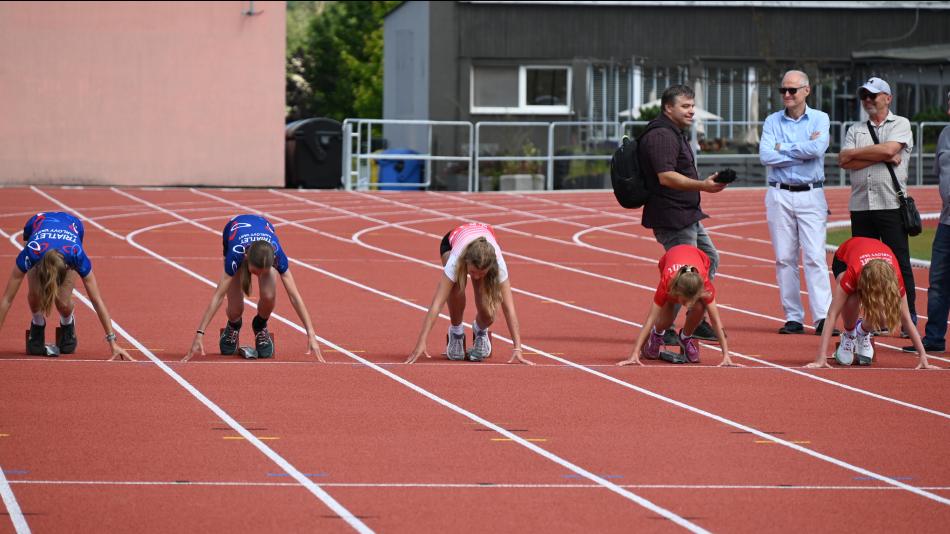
[651, 349]
[455, 346]
[481, 347]
[229, 340]
[690, 348]
[864, 349]
[844, 354]
[66, 338]
[36, 342]
[705, 332]
[264, 344]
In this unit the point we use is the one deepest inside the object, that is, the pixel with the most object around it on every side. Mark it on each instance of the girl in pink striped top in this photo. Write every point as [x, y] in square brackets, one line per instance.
[471, 251]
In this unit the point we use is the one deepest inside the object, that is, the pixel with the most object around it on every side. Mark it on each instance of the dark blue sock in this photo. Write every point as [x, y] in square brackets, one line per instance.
[258, 324]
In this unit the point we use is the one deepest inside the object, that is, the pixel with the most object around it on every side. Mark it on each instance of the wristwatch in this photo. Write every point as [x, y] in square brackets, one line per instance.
[110, 337]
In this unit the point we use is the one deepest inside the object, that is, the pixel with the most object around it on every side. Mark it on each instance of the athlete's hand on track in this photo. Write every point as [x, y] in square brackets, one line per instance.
[823, 364]
[196, 347]
[118, 353]
[315, 350]
[727, 362]
[633, 360]
[516, 355]
[416, 353]
[928, 365]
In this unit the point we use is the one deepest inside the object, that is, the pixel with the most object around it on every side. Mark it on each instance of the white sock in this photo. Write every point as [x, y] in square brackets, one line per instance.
[39, 319]
[478, 330]
[858, 330]
[683, 336]
[64, 321]
[658, 332]
[457, 329]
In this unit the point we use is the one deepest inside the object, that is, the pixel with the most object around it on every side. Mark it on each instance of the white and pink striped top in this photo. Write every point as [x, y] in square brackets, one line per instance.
[465, 234]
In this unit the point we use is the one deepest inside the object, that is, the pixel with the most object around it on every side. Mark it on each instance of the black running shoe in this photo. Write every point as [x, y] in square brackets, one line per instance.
[264, 344]
[66, 338]
[705, 332]
[794, 327]
[36, 342]
[229, 340]
[670, 338]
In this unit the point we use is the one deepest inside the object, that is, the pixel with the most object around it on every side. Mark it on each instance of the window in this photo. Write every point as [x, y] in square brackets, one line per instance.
[521, 90]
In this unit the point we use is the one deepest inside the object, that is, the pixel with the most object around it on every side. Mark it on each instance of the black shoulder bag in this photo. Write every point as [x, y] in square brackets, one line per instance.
[910, 217]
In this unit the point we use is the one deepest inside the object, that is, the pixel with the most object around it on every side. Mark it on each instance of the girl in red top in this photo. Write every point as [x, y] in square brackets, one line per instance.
[684, 280]
[869, 279]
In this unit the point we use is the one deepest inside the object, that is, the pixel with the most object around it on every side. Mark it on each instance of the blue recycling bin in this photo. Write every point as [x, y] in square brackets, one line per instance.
[399, 171]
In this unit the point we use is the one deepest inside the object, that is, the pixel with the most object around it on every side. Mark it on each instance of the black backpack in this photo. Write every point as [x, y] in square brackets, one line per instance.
[630, 186]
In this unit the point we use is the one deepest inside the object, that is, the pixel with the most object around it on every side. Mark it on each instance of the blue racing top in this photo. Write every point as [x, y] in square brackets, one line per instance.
[238, 235]
[54, 230]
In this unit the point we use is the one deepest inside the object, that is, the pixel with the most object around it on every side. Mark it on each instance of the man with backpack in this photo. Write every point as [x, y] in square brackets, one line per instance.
[668, 166]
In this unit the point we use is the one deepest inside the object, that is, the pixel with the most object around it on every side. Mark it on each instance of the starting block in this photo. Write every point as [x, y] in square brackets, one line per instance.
[672, 357]
[250, 353]
[51, 349]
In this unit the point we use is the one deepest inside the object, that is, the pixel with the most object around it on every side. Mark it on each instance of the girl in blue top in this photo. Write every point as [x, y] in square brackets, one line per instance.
[53, 249]
[251, 248]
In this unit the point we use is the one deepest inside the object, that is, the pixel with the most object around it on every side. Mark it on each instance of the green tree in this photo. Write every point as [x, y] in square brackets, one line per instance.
[334, 68]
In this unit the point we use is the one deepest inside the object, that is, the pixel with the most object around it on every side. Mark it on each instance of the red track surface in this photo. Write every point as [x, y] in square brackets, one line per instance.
[573, 444]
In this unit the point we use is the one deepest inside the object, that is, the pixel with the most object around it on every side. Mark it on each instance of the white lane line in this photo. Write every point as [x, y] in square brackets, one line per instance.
[357, 238]
[486, 485]
[665, 399]
[13, 508]
[431, 396]
[324, 497]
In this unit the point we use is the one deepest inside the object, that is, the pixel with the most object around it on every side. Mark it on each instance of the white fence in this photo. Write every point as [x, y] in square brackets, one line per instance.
[586, 142]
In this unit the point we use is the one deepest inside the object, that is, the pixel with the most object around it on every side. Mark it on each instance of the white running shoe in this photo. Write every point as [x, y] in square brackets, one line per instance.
[844, 354]
[864, 349]
[455, 346]
[481, 348]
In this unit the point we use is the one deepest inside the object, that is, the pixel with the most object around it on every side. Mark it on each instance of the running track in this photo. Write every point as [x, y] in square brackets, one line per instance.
[366, 443]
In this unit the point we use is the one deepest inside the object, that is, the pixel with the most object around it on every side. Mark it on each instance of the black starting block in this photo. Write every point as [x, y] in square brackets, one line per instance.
[672, 357]
[51, 349]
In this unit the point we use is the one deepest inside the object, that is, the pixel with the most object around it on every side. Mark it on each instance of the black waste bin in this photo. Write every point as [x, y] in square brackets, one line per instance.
[314, 154]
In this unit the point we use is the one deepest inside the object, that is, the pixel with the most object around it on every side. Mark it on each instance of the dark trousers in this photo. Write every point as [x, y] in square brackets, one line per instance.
[938, 295]
[886, 226]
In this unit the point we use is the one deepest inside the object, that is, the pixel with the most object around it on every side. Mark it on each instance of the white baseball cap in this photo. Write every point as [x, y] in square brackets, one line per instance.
[876, 85]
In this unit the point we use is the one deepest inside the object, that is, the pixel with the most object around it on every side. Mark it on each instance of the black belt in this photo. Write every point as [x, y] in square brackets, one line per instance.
[797, 188]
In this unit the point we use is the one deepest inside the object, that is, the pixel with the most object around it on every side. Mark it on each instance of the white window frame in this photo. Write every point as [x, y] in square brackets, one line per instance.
[523, 108]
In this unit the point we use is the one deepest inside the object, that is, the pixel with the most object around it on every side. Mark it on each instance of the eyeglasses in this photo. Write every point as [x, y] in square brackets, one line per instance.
[867, 95]
[789, 90]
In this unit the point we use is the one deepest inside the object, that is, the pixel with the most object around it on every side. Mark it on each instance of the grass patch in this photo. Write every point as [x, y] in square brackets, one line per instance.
[920, 245]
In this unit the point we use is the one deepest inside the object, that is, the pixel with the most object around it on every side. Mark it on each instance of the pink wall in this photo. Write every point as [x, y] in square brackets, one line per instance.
[142, 93]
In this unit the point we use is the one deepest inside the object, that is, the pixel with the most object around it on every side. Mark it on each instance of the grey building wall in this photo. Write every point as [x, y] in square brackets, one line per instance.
[406, 67]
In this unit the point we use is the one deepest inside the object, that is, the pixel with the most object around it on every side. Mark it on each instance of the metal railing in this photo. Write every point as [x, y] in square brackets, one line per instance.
[356, 165]
[358, 138]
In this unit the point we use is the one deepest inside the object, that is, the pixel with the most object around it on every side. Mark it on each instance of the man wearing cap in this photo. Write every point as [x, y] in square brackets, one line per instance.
[792, 149]
[874, 206]
[938, 294]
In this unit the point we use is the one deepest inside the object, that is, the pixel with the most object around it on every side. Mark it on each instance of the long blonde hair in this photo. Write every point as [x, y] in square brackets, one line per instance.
[261, 255]
[687, 283]
[880, 295]
[51, 274]
[481, 255]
